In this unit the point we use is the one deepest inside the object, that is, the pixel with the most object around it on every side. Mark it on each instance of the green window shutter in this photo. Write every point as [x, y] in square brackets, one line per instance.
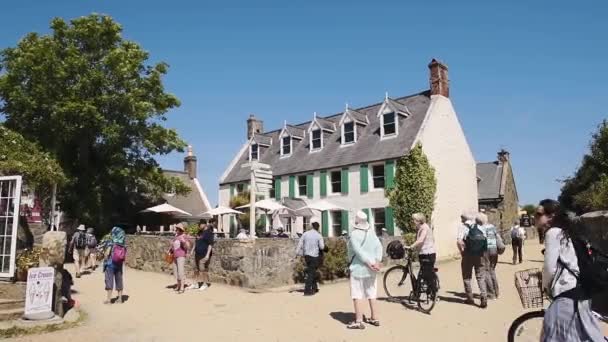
[323, 191]
[390, 221]
[262, 220]
[292, 186]
[309, 185]
[232, 190]
[325, 223]
[345, 221]
[369, 218]
[364, 178]
[232, 225]
[277, 188]
[344, 180]
[389, 174]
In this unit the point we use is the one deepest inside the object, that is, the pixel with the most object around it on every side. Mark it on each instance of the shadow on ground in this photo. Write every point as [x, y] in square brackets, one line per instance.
[343, 317]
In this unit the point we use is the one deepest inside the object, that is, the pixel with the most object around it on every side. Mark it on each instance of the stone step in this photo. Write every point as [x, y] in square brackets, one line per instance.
[6, 304]
[11, 314]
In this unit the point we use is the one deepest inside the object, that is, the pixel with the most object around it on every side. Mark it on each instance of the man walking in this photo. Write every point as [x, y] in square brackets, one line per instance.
[518, 235]
[473, 245]
[78, 246]
[309, 246]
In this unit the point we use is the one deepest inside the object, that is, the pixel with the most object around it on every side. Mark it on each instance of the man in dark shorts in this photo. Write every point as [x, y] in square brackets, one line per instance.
[202, 255]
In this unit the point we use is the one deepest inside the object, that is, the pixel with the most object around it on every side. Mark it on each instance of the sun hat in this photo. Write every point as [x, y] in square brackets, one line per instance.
[180, 227]
[81, 227]
[361, 221]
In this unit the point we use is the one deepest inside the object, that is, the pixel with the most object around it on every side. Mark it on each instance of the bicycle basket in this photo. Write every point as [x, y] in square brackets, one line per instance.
[395, 250]
[529, 286]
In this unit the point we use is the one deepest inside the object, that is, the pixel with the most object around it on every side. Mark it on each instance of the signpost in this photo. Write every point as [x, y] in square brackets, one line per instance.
[39, 293]
[261, 182]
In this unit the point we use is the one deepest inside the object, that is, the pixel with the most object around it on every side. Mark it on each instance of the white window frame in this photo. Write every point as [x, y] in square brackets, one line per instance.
[331, 188]
[333, 224]
[371, 176]
[251, 151]
[290, 145]
[374, 223]
[312, 148]
[11, 251]
[298, 184]
[388, 136]
[343, 140]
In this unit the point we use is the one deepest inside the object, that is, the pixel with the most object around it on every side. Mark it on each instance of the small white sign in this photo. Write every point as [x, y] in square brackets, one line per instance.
[39, 291]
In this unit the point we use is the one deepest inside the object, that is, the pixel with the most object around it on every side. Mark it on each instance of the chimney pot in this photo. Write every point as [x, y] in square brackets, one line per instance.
[254, 126]
[438, 78]
[190, 163]
[503, 156]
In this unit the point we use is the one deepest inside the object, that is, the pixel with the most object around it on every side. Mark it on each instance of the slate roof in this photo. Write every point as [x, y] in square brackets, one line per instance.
[193, 202]
[368, 148]
[398, 107]
[490, 176]
[262, 139]
[326, 124]
[358, 116]
[294, 131]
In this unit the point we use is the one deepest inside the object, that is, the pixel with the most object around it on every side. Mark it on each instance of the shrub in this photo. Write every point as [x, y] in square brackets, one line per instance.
[333, 264]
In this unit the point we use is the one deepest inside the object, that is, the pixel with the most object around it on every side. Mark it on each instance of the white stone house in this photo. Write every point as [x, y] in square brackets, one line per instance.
[349, 159]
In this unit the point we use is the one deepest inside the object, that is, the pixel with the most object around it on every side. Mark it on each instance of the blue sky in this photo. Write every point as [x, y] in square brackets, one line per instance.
[527, 76]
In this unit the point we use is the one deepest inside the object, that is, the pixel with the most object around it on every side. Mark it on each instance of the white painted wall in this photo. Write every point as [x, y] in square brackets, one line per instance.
[446, 147]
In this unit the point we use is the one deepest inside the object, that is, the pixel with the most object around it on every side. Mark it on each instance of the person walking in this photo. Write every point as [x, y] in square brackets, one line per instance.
[569, 317]
[78, 246]
[494, 240]
[114, 249]
[425, 241]
[474, 258]
[203, 250]
[91, 253]
[365, 255]
[179, 248]
[518, 235]
[309, 246]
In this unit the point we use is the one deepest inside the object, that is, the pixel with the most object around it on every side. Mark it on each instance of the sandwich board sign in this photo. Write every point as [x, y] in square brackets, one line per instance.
[39, 293]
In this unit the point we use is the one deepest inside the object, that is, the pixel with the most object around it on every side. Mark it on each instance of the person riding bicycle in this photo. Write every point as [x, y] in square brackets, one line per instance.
[425, 241]
[569, 317]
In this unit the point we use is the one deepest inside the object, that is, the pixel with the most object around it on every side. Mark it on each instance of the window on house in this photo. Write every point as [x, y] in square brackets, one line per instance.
[305, 223]
[240, 188]
[286, 146]
[271, 192]
[336, 223]
[349, 132]
[388, 124]
[288, 225]
[254, 152]
[336, 182]
[302, 185]
[379, 220]
[378, 176]
[316, 139]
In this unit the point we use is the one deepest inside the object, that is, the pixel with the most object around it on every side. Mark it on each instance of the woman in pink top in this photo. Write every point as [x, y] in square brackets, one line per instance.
[179, 249]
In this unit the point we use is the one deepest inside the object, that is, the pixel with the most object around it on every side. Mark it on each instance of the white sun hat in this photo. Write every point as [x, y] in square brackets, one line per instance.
[361, 221]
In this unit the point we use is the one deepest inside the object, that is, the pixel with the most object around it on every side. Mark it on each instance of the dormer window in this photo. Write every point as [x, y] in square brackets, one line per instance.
[286, 146]
[316, 140]
[254, 152]
[389, 126]
[348, 132]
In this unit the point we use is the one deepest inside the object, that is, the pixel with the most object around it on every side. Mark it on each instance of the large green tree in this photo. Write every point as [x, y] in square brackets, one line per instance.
[90, 98]
[415, 187]
[587, 189]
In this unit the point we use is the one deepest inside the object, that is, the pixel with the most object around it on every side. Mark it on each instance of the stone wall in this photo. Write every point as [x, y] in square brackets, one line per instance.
[263, 263]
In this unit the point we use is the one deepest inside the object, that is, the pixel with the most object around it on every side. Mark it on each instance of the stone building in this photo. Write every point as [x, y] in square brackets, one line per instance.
[349, 159]
[497, 191]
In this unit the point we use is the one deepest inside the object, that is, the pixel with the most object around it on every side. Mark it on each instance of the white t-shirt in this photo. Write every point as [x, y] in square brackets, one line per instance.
[557, 279]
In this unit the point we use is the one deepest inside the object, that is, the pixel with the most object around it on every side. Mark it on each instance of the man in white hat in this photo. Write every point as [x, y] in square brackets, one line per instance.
[78, 246]
[310, 245]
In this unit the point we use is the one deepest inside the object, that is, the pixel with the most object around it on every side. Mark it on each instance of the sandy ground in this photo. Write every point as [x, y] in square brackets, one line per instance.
[222, 313]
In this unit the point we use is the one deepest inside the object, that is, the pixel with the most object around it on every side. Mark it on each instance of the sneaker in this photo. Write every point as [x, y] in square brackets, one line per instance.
[203, 287]
[484, 303]
[194, 286]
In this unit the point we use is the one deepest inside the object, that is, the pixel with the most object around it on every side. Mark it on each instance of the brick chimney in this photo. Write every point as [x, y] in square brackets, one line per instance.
[190, 163]
[254, 126]
[440, 84]
[503, 156]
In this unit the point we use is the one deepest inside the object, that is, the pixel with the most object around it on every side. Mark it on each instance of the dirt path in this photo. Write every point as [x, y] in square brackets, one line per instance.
[223, 313]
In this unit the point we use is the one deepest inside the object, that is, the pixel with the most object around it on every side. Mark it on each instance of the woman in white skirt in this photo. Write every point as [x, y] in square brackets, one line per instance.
[365, 255]
[569, 317]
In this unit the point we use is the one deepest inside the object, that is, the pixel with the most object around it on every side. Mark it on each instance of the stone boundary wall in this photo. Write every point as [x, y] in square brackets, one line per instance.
[262, 263]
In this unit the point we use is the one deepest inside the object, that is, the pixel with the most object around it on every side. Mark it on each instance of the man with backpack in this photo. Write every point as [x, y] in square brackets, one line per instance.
[518, 235]
[91, 250]
[474, 257]
[78, 246]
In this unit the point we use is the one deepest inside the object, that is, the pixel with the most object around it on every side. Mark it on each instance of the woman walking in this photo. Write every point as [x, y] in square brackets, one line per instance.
[425, 241]
[569, 317]
[114, 249]
[179, 248]
[493, 238]
[365, 255]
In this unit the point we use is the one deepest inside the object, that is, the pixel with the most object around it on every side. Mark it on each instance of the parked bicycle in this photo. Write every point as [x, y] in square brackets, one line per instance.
[397, 286]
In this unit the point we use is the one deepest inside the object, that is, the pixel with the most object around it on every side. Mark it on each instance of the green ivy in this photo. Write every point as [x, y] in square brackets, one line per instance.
[415, 187]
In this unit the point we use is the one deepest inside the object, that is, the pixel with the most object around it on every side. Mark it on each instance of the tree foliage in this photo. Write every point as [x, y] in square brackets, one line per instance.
[530, 209]
[88, 97]
[587, 189]
[415, 187]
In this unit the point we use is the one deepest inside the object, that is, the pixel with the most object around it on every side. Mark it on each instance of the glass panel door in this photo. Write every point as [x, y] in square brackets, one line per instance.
[10, 194]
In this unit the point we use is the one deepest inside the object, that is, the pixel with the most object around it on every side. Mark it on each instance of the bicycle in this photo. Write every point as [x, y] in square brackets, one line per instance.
[420, 292]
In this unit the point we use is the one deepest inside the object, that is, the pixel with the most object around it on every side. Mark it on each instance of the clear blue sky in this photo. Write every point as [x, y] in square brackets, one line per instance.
[529, 76]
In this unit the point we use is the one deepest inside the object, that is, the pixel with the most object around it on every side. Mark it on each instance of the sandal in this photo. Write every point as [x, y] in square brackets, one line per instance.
[355, 325]
[372, 321]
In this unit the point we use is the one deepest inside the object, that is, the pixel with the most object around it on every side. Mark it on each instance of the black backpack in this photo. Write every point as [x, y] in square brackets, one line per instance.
[81, 240]
[476, 243]
[592, 278]
[395, 250]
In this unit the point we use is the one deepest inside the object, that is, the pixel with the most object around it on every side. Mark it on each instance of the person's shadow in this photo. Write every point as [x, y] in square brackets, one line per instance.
[343, 317]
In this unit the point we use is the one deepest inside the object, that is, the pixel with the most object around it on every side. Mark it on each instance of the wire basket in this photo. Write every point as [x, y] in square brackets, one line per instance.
[529, 285]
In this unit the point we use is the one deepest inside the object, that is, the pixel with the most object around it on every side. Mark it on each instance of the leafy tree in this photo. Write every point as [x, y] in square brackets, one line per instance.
[529, 209]
[415, 187]
[587, 190]
[88, 97]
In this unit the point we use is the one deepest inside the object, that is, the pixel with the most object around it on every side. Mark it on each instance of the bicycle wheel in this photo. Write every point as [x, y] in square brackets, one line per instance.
[526, 327]
[426, 297]
[397, 286]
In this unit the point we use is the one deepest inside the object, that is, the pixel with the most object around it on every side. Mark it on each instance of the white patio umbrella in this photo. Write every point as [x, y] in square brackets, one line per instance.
[220, 211]
[268, 206]
[166, 209]
[321, 205]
